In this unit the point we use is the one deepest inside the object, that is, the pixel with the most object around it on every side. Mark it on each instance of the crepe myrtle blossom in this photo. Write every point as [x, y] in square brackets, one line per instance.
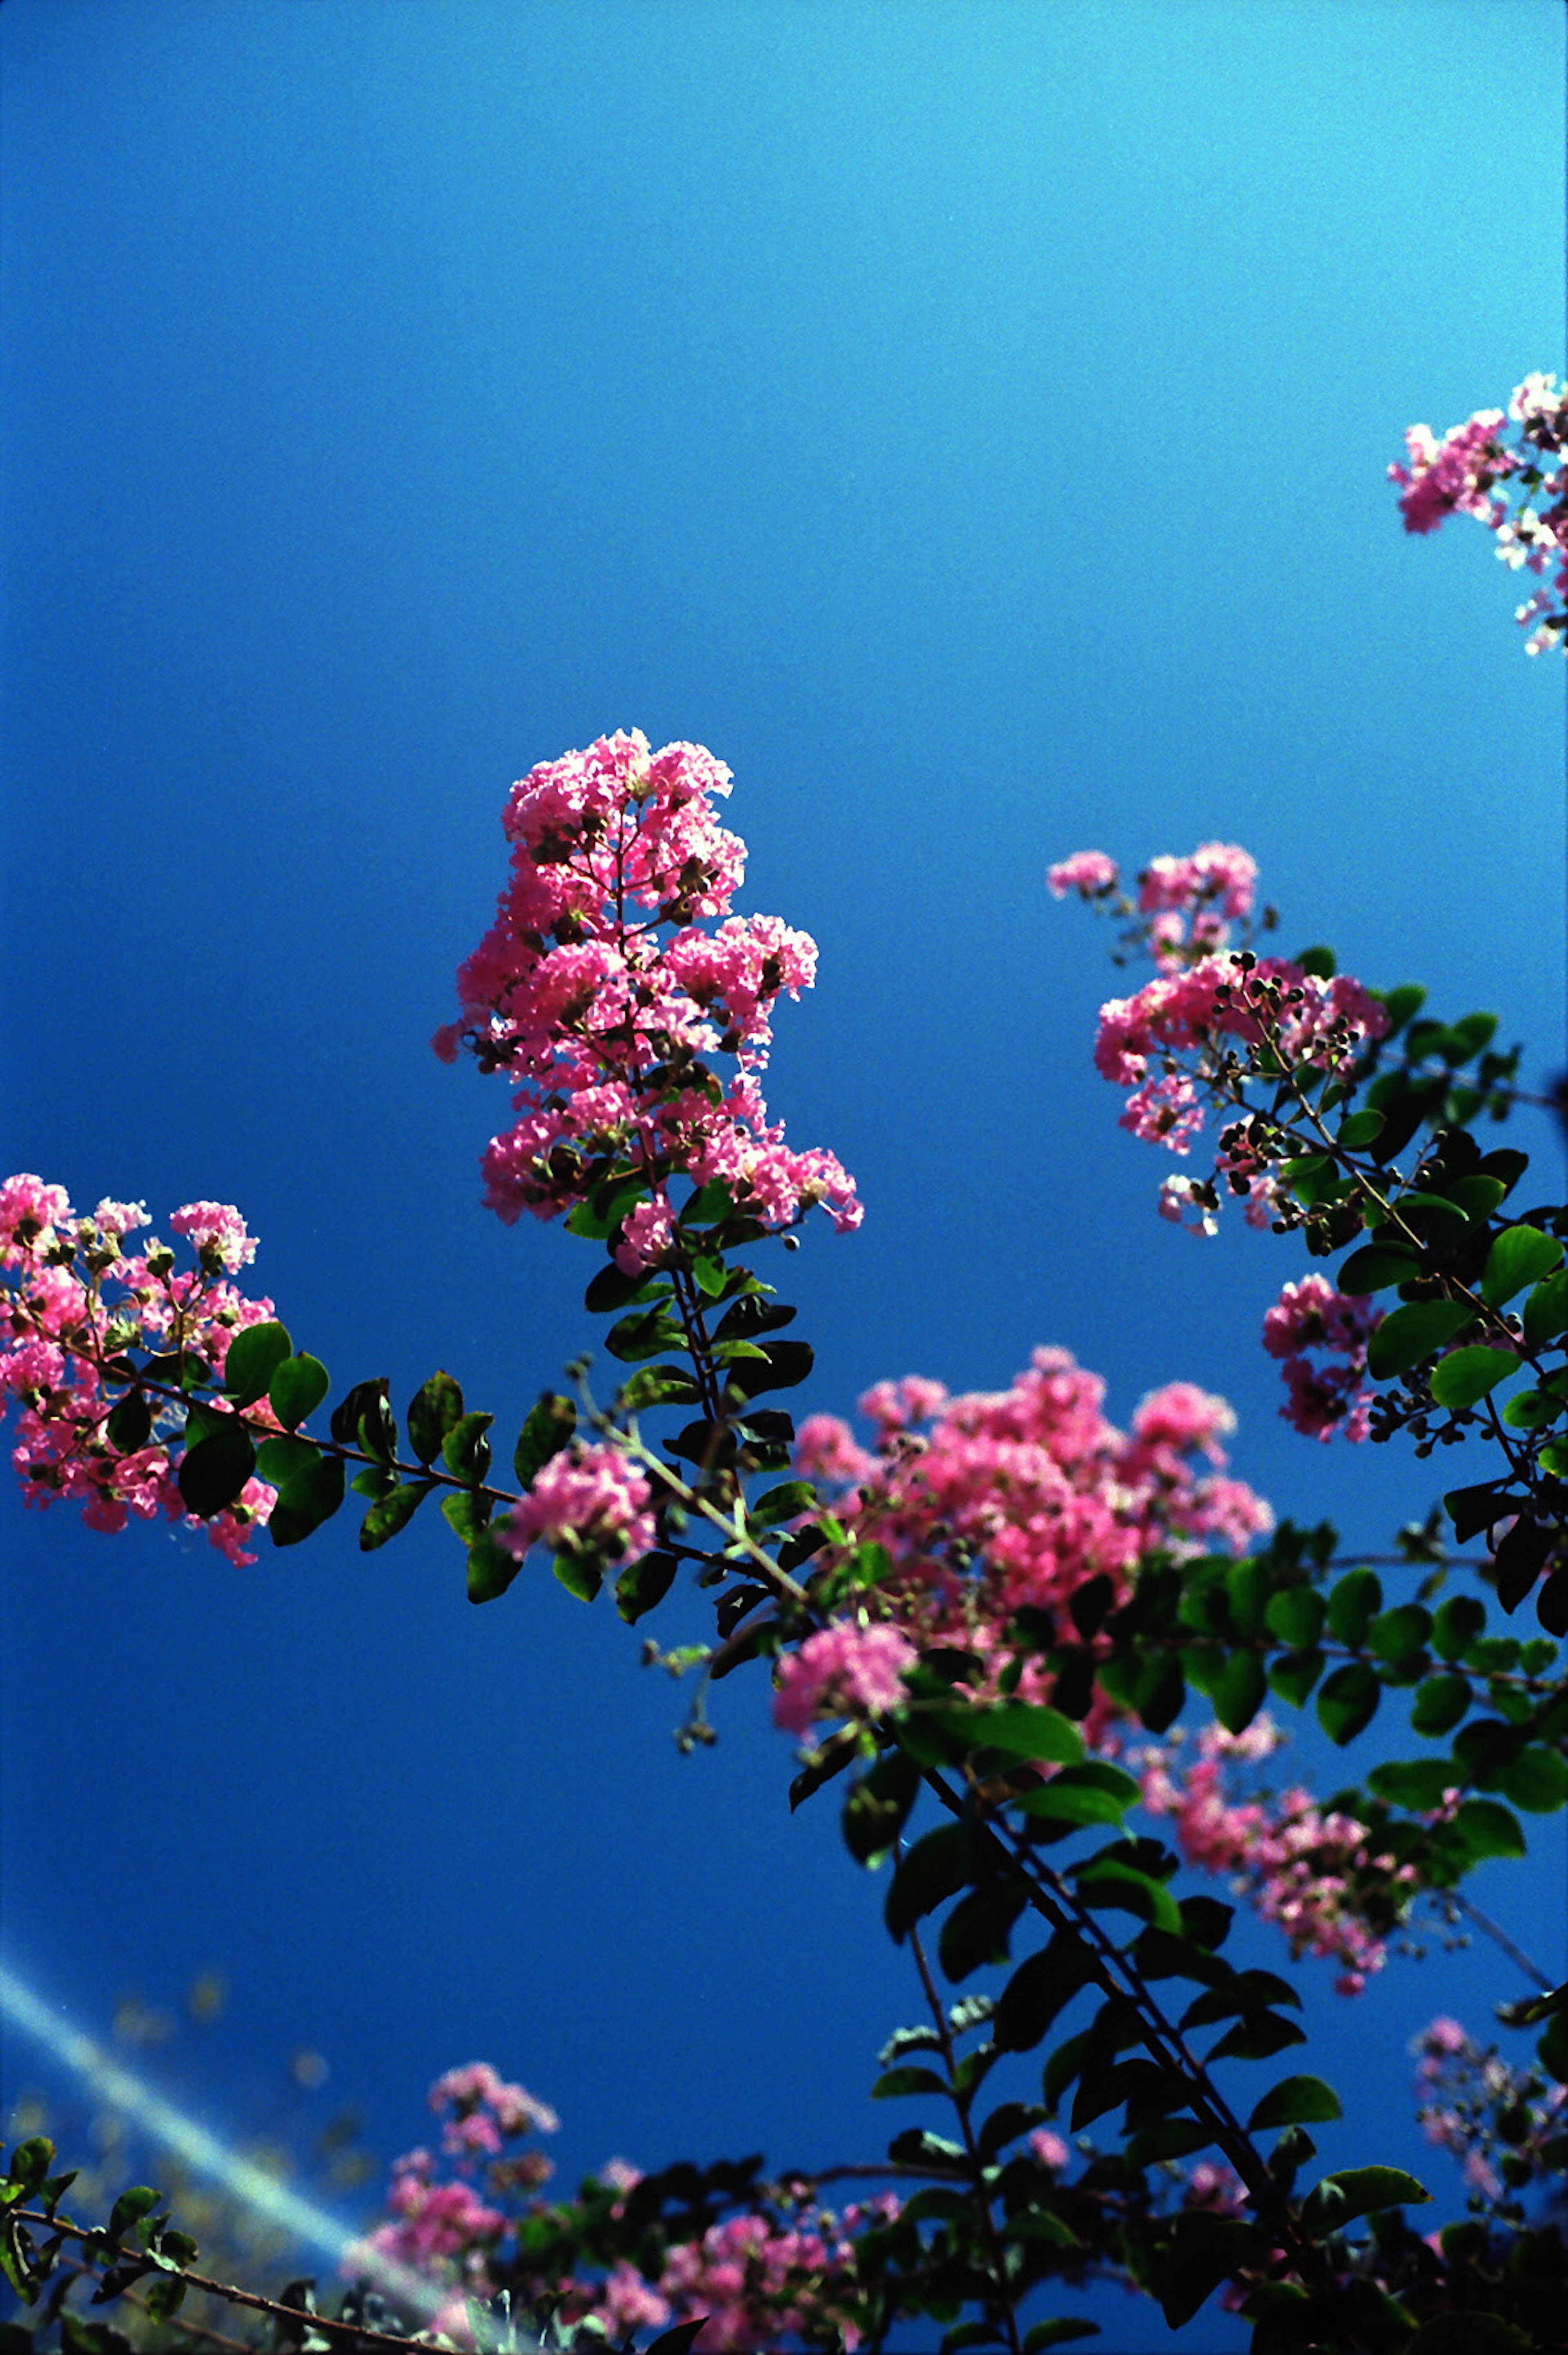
[990, 1502]
[602, 991]
[586, 1499]
[73, 1300]
[1466, 472]
[844, 1670]
[1503, 2124]
[1323, 1399]
[1310, 1872]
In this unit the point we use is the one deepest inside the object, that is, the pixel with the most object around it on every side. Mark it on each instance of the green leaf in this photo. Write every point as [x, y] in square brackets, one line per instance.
[1531, 1411]
[1348, 1701]
[1240, 1691]
[1470, 2334]
[1057, 2331]
[364, 1419]
[644, 1334]
[1476, 1509]
[1440, 1702]
[465, 1450]
[548, 1427]
[935, 1868]
[129, 2210]
[433, 1413]
[1537, 1779]
[129, 1424]
[298, 1386]
[1027, 1730]
[659, 1386]
[643, 1584]
[895, 2083]
[254, 1357]
[212, 1472]
[1205, 2251]
[1416, 1783]
[1520, 1255]
[491, 1567]
[782, 1365]
[1399, 1635]
[1292, 1676]
[1256, 2036]
[1359, 1128]
[466, 1514]
[279, 1457]
[612, 1290]
[581, 1574]
[1353, 1605]
[1064, 1800]
[1295, 1615]
[1375, 1267]
[1043, 1985]
[1457, 1624]
[976, 1931]
[1108, 1879]
[307, 1499]
[394, 1512]
[1486, 1829]
[1546, 1311]
[1413, 1334]
[1296, 2102]
[1460, 1379]
[1355, 2191]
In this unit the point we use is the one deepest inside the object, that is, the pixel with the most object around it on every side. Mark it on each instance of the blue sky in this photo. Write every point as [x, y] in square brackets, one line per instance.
[969, 420]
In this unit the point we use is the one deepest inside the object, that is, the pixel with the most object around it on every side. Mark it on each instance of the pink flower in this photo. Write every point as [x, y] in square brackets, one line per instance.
[842, 1672]
[1088, 872]
[592, 1497]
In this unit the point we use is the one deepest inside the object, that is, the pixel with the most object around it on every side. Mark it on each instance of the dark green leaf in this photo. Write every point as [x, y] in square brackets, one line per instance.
[1359, 1128]
[782, 1365]
[1355, 2191]
[129, 2210]
[1027, 1730]
[1416, 1782]
[1467, 1374]
[548, 1427]
[1486, 1829]
[1256, 2036]
[297, 1387]
[1295, 2100]
[1440, 1702]
[935, 1868]
[1400, 1633]
[1293, 1675]
[1375, 1267]
[1205, 2251]
[308, 1497]
[1519, 1255]
[364, 1419]
[1455, 1628]
[212, 1472]
[1353, 1605]
[1295, 1615]
[279, 1457]
[1412, 1334]
[491, 1567]
[433, 1412]
[1348, 1701]
[465, 1450]
[1533, 1410]
[895, 2083]
[129, 1424]
[1474, 1510]
[658, 1386]
[1546, 1311]
[1042, 1986]
[612, 1290]
[254, 1356]
[1240, 1691]
[644, 1334]
[581, 1574]
[1471, 2334]
[466, 1514]
[394, 1512]
[1057, 2332]
[1537, 1778]
[642, 1585]
[1108, 1879]
[978, 1930]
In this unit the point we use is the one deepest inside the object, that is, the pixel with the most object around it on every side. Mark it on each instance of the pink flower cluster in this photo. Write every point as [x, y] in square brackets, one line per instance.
[599, 991]
[842, 1672]
[1323, 1399]
[1465, 2091]
[586, 1499]
[991, 1501]
[72, 1300]
[1300, 1867]
[756, 2279]
[1180, 908]
[1460, 474]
